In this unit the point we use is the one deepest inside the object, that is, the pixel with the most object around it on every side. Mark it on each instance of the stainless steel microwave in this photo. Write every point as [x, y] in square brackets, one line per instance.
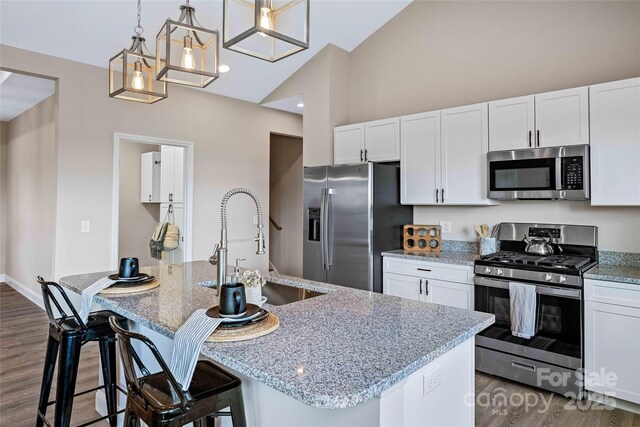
[540, 173]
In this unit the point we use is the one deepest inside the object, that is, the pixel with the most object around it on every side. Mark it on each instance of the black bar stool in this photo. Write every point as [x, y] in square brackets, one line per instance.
[69, 334]
[158, 399]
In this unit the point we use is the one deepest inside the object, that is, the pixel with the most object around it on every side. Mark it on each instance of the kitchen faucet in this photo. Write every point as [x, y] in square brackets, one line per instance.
[221, 248]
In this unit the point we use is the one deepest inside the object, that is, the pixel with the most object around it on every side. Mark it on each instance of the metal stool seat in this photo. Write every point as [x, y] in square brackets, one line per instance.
[67, 335]
[158, 399]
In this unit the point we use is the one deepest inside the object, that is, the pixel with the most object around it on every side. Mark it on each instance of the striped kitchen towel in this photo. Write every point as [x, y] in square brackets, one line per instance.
[89, 293]
[187, 343]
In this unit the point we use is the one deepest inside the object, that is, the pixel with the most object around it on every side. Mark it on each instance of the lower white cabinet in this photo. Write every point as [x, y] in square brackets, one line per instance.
[422, 286]
[612, 339]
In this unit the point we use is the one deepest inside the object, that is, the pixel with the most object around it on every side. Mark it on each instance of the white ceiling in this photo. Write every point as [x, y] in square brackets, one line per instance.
[19, 92]
[92, 31]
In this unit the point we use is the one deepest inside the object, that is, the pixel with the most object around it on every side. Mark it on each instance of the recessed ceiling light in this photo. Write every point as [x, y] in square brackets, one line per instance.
[300, 105]
[224, 68]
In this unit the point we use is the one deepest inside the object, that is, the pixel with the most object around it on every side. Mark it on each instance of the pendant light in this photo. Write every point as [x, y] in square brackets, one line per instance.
[266, 29]
[186, 52]
[132, 72]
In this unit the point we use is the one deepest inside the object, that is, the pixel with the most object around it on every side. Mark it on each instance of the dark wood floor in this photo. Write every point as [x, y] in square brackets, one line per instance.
[23, 333]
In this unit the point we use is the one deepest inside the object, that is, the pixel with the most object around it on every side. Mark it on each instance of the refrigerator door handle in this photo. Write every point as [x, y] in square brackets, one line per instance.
[323, 227]
[326, 220]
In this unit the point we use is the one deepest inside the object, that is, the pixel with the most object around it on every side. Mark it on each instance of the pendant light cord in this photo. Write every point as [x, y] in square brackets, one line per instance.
[138, 28]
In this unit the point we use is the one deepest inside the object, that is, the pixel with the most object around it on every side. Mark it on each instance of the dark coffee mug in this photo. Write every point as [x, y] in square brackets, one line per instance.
[128, 268]
[233, 300]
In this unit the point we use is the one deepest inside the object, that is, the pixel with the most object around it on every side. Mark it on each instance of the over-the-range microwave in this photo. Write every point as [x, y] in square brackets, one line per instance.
[540, 173]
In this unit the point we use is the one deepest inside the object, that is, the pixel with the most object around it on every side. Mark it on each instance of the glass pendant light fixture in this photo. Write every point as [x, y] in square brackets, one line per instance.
[132, 72]
[186, 52]
[266, 29]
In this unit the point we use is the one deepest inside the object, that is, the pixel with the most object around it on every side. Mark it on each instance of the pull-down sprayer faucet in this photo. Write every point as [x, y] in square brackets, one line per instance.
[222, 248]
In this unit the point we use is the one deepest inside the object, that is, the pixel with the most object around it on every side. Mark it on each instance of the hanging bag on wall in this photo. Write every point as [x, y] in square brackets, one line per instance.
[172, 235]
[157, 239]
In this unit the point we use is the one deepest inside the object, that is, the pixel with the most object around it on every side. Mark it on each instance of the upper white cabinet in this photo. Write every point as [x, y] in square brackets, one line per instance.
[562, 117]
[150, 177]
[420, 158]
[615, 143]
[377, 141]
[443, 157]
[544, 120]
[172, 175]
[511, 123]
[348, 144]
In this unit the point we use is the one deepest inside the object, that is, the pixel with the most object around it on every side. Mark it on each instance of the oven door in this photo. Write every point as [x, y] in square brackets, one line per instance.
[558, 339]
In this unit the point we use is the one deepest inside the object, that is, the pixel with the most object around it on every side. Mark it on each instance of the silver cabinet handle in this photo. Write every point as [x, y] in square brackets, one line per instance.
[149, 197]
[530, 133]
[361, 159]
[426, 287]
[437, 195]
[422, 269]
[366, 154]
[443, 195]
[538, 134]
[420, 286]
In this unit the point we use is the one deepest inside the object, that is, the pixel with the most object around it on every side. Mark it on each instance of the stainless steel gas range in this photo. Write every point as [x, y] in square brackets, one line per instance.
[551, 358]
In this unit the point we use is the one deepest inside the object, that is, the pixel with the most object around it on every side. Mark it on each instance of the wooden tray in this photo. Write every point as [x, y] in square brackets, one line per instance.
[248, 332]
[422, 238]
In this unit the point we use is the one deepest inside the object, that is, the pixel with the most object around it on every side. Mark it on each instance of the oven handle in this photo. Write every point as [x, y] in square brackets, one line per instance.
[559, 173]
[542, 290]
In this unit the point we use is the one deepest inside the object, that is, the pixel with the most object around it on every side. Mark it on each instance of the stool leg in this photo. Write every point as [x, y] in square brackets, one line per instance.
[237, 410]
[130, 418]
[109, 374]
[47, 377]
[67, 375]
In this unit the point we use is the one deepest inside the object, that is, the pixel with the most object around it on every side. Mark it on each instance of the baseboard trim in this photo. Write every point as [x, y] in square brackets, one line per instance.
[27, 292]
[618, 403]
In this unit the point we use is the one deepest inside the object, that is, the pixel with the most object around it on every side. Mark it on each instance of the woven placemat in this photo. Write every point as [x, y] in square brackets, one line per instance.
[129, 289]
[241, 333]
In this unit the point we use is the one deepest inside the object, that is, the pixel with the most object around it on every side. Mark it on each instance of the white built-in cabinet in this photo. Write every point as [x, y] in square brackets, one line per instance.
[377, 141]
[172, 175]
[443, 157]
[612, 339]
[543, 120]
[615, 143]
[150, 177]
[438, 283]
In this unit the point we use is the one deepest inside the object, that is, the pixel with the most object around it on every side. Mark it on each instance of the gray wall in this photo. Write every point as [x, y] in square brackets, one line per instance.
[30, 196]
[137, 221]
[285, 201]
[3, 195]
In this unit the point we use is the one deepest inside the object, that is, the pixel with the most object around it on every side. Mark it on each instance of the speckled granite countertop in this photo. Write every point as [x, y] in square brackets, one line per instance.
[447, 257]
[615, 273]
[351, 345]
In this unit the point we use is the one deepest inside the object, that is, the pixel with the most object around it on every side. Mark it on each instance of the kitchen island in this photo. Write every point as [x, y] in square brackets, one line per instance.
[348, 357]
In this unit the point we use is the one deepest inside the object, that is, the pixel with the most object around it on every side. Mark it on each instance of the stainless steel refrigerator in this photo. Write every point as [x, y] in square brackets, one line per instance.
[351, 214]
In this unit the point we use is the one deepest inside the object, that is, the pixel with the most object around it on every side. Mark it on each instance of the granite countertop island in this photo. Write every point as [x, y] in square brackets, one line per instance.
[337, 350]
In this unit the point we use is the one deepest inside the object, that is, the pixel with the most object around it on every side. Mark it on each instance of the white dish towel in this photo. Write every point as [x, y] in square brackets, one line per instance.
[187, 343]
[89, 293]
[522, 309]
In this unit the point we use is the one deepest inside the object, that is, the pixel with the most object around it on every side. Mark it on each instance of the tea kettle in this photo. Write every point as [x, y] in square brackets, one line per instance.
[538, 245]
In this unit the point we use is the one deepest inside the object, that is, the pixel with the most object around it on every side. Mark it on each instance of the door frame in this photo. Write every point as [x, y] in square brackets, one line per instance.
[188, 146]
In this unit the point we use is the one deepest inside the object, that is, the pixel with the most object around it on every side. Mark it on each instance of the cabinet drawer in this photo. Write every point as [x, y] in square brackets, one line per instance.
[429, 270]
[624, 294]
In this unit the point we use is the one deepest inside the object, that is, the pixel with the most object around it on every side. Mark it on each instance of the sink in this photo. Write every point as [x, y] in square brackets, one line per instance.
[278, 294]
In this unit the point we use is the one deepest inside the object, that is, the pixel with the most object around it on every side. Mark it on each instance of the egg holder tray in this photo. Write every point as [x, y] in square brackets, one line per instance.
[422, 238]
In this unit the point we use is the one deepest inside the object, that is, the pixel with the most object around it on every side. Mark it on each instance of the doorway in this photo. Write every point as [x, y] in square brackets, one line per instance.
[285, 204]
[153, 184]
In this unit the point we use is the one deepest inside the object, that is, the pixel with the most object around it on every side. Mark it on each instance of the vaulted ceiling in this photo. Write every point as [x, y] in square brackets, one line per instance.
[92, 31]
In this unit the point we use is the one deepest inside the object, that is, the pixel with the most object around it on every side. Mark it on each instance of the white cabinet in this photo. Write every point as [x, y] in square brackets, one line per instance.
[377, 141]
[422, 281]
[150, 177]
[615, 143]
[612, 339]
[562, 117]
[172, 175]
[463, 153]
[420, 159]
[511, 123]
[382, 140]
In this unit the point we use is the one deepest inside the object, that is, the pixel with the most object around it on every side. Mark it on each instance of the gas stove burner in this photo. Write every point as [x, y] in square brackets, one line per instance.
[552, 261]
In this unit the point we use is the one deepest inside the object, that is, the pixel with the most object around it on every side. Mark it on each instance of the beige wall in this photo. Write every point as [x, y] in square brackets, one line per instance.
[285, 201]
[231, 146]
[137, 220]
[31, 194]
[3, 195]
[323, 84]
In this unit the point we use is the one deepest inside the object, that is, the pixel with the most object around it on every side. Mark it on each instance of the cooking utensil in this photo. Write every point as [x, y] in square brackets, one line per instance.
[478, 229]
[485, 230]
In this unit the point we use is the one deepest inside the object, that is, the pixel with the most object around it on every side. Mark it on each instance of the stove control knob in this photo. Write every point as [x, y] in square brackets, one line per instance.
[562, 279]
[487, 270]
[548, 277]
[499, 271]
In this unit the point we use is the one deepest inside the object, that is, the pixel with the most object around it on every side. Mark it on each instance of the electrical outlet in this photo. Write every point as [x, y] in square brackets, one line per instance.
[446, 226]
[85, 226]
[431, 380]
